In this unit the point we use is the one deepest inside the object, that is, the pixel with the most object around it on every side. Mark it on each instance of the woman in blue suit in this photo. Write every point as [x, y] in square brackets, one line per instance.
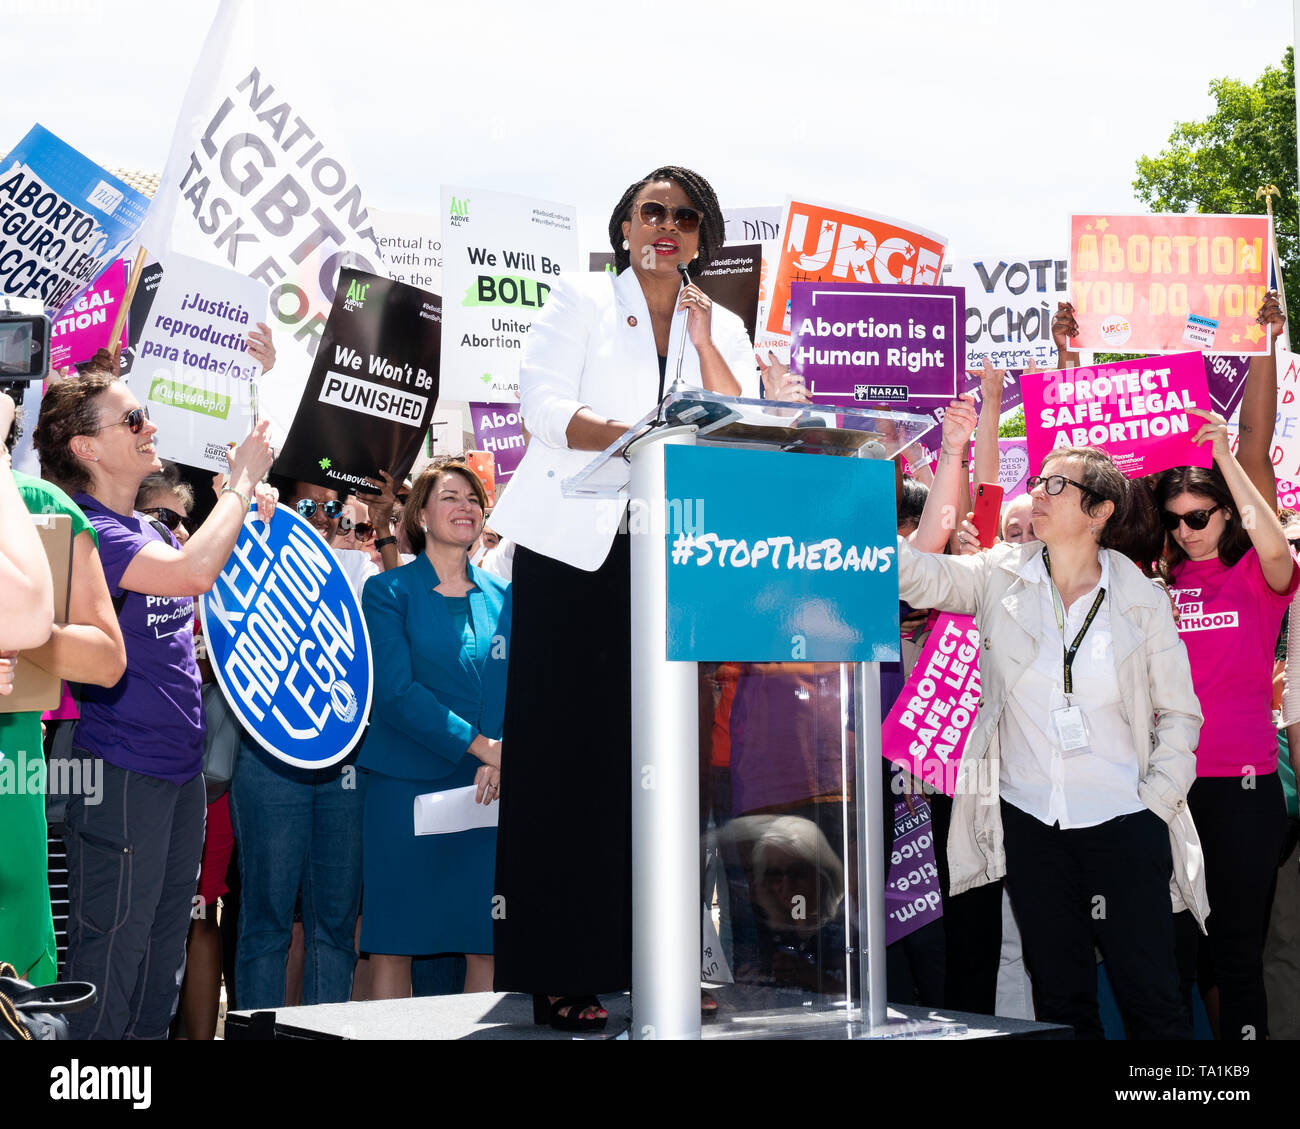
[439, 633]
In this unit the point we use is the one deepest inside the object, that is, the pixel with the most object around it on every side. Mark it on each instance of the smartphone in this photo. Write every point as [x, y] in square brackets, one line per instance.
[988, 512]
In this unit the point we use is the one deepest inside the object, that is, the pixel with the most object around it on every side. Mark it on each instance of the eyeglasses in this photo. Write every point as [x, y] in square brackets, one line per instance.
[134, 419]
[307, 507]
[1054, 483]
[653, 213]
[170, 518]
[1195, 519]
[361, 530]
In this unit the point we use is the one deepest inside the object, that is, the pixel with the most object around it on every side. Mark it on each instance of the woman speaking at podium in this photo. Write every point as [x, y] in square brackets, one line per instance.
[598, 358]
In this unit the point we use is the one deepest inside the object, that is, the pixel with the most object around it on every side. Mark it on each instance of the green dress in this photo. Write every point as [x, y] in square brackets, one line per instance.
[26, 925]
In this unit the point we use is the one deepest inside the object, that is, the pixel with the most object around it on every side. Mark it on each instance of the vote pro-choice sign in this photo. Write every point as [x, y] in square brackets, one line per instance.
[877, 344]
[1135, 411]
[288, 643]
[778, 557]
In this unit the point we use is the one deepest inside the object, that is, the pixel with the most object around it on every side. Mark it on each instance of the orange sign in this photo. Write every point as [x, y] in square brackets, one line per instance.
[827, 243]
[1152, 284]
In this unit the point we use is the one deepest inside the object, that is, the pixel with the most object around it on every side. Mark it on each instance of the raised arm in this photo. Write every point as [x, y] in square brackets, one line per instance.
[1063, 328]
[159, 570]
[949, 496]
[1257, 517]
[1259, 406]
[992, 383]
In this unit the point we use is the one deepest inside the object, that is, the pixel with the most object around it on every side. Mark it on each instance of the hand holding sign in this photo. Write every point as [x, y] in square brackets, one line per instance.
[779, 383]
[1064, 326]
[1215, 430]
[249, 463]
[1270, 315]
[261, 348]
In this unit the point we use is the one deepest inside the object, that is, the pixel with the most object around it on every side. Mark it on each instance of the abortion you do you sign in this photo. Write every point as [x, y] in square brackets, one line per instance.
[288, 643]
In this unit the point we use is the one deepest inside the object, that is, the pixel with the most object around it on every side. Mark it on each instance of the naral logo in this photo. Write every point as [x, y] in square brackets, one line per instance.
[355, 298]
[459, 211]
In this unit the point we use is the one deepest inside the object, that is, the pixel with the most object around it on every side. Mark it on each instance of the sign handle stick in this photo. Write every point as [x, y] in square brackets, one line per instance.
[127, 299]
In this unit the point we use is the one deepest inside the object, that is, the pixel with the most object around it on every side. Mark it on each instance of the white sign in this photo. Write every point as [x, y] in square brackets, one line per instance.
[412, 247]
[192, 368]
[501, 256]
[1010, 303]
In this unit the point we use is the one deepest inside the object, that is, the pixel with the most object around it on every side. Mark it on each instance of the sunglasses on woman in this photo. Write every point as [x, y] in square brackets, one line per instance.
[361, 530]
[1195, 519]
[170, 518]
[134, 420]
[1054, 483]
[307, 507]
[653, 213]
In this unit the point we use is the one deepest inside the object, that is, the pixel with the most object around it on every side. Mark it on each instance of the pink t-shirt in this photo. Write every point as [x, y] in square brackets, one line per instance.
[1229, 619]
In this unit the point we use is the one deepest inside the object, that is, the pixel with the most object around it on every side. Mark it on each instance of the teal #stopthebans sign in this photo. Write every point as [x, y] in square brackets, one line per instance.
[778, 557]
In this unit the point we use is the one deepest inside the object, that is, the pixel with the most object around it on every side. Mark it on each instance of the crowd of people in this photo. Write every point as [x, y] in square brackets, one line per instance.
[1137, 810]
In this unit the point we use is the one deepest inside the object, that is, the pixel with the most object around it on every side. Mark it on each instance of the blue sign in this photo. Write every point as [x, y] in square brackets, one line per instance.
[65, 220]
[288, 643]
[780, 557]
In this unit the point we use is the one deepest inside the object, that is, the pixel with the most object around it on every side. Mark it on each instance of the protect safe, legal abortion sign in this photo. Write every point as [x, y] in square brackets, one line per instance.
[779, 557]
[288, 643]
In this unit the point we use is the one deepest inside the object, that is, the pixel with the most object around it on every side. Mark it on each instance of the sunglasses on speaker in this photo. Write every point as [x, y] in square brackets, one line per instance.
[361, 530]
[1195, 519]
[653, 213]
[134, 420]
[307, 507]
[170, 518]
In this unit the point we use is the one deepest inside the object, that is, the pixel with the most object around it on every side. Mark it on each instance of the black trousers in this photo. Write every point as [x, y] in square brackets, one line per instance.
[1242, 823]
[1107, 886]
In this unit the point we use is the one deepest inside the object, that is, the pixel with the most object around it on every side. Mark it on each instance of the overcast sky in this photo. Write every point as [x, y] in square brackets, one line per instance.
[988, 121]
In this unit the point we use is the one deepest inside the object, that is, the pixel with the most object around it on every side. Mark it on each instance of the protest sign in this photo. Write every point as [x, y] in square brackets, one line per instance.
[372, 387]
[411, 246]
[1147, 284]
[1013, 467]
[926, 731]
[1288, 495]
[501, 256]
[757, 574]
[912, 886]
[1136, 411]
[751, 225]
[445, 437]
[498, 428]
[191, 366]
[886, 345]
[288, 643]
[1285, 449]
[1226, 376]
[258, 179]
[65, 219]
[1010, 304]
[84, 325]
[827, 243]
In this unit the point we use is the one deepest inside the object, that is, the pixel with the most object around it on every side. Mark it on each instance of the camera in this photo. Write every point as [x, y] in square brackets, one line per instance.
[24, 341]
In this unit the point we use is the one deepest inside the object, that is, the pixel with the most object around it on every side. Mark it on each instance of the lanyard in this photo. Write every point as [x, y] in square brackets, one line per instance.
[1059, 609]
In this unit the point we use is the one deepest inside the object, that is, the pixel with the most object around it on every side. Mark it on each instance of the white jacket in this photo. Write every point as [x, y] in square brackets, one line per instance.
[1155, 681]
[593, 346]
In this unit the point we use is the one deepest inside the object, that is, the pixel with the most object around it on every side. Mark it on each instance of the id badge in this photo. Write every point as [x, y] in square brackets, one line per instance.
[1070, 730]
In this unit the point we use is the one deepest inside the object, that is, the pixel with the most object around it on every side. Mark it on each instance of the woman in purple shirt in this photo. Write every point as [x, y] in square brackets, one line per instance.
[134, 840]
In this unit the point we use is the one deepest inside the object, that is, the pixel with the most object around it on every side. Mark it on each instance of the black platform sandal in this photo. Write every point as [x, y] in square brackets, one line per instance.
[546, 1012]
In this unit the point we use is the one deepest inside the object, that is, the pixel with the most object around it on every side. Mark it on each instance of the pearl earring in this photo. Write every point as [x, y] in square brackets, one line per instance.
[696, 255]
[626, 245]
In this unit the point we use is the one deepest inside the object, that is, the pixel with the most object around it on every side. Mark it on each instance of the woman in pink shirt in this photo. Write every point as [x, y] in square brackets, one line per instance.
[1233, 576]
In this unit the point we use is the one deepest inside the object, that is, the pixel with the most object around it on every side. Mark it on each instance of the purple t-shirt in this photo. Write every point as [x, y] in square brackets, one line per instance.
[152, 721]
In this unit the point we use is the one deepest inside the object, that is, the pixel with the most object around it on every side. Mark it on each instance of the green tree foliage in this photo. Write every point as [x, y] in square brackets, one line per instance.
[1013, 427]
[1216, 165]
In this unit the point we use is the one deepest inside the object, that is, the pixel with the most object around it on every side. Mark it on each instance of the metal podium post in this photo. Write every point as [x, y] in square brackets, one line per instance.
[665, 773]
[871, 870]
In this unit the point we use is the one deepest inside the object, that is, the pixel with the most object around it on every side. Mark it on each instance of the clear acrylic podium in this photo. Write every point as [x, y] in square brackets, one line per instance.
[790, 775]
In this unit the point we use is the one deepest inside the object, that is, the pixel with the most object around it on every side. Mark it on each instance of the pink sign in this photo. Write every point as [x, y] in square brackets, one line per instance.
[1135, 411]
[85, 324]
[1288, 495]
[926, 730]
[1013, 467]
[498, 428]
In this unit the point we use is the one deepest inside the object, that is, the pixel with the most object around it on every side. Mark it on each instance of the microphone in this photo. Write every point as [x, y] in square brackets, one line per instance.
[681, 345]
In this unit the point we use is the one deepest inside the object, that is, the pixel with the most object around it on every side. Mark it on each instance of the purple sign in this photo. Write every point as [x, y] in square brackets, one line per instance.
[912, 888]
[497, 428]
[1226, 376]
[878, 345]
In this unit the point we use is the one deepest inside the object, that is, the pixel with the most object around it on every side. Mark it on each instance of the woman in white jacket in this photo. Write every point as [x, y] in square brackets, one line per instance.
[1074, 781]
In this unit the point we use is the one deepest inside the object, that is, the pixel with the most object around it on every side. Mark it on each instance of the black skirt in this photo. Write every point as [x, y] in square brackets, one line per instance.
[564, 841]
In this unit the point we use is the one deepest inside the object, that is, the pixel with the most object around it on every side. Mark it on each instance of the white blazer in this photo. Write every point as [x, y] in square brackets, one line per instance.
[593, 346]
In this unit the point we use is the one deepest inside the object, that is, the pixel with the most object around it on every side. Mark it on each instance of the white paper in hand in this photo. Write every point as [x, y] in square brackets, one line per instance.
[444, 813]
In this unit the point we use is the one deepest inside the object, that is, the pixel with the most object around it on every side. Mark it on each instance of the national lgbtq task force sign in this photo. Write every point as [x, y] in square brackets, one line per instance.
[288, 643]
[780, 557]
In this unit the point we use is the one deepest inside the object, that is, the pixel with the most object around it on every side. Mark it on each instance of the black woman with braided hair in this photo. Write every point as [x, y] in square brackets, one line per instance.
[597, 359]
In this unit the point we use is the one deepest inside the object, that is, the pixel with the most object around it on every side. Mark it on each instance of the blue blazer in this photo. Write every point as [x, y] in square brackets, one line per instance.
[430, 698]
